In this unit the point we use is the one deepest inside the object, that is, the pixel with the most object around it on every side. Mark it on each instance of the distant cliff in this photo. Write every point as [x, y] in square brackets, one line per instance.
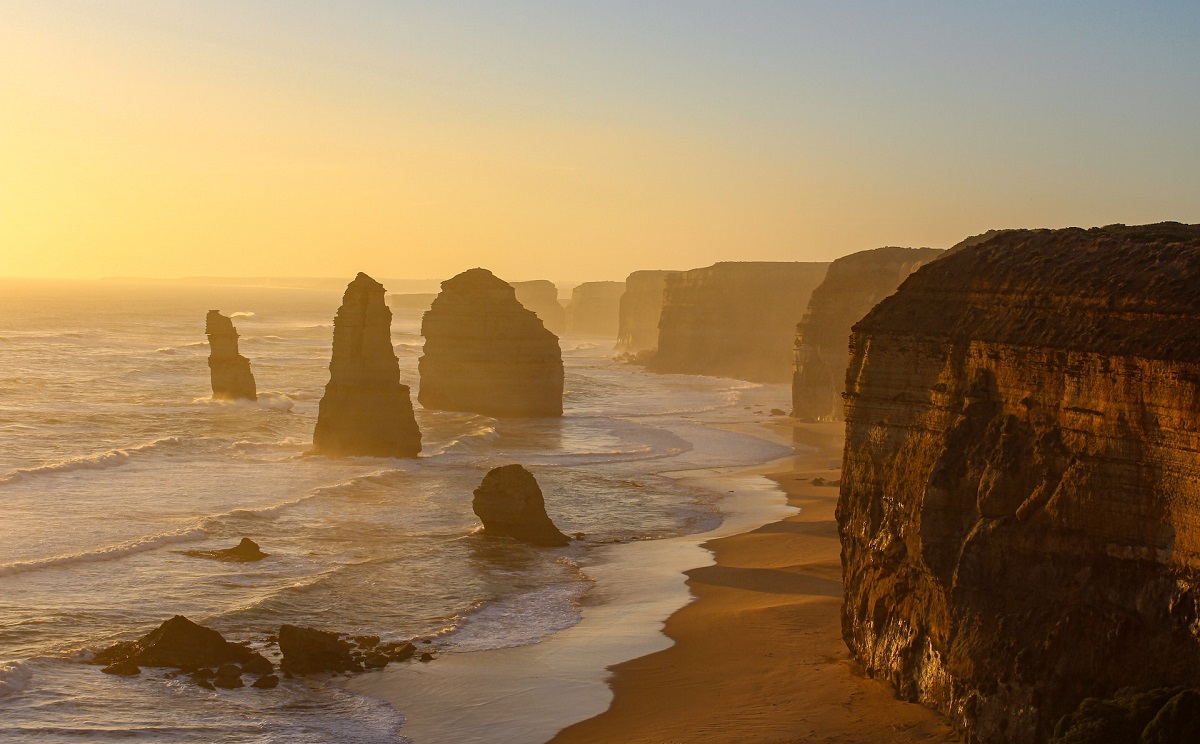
[1020, 500]
[229, 371]
[853, 285]
[365, 410]
[541, 296]
[486, 353]
[594, 309]
[640, 307]
[419, 301]
[735, 319]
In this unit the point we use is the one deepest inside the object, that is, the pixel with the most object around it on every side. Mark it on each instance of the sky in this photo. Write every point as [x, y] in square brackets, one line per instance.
[575, 139]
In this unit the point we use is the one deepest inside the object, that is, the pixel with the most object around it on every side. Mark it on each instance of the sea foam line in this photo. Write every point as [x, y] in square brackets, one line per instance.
[106, 553]
[98, 461]
[14, 676]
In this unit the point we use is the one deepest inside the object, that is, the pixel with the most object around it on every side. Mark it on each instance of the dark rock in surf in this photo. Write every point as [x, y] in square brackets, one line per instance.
[510, 504]
[257, 665]
[228, 677]
[244, 552]
[178, 643]
[309, 651]
[229, 371]
[266, 682]
[365, 411]
[122, 669]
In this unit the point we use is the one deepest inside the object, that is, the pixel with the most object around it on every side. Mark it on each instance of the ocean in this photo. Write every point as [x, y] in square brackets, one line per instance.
[114, 460]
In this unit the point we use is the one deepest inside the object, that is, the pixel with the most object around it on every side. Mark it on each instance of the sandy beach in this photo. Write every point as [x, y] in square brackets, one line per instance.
[758, 655]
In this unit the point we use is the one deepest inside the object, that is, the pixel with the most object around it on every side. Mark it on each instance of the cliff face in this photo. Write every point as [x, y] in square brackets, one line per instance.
[229, 371]
[486, 353]
[1020, 503]
[541, 296]
[365, 410]
[595, 308]
[853, 285]
[640, 307]
[734, 319]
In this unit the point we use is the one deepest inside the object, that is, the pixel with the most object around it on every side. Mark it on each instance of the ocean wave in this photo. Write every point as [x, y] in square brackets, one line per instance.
[471, 441]
[100, 461]
[268, 400]
[14, 677]
[180, 347]
[242, 314]
[106, 553]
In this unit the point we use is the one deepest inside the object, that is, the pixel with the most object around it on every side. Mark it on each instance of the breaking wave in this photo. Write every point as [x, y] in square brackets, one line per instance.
[100, 461]
[106, 553]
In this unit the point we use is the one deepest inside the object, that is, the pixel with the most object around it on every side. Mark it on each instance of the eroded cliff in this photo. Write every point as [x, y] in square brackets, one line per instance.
[365, 410]
[486, 353]
[640, 307]
[853, 285]
[1020, 503]
[541, 296]
[734, 319]
[229, 371]
[594, 309]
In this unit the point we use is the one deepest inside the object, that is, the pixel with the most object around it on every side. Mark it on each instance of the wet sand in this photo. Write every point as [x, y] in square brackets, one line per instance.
[758, 656]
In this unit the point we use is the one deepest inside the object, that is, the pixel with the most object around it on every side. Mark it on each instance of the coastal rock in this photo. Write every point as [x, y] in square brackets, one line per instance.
[541, 296]
[595, 309]
[228, 677]
[178, 643]
[229, 371]
[640, 307]
[510, 504]
[735, 319]
[245, 551]
[852, 286]
[1020, 501]
[266, 682]
[487, 354]
[365, 410]
[308, 651]
[124, 668]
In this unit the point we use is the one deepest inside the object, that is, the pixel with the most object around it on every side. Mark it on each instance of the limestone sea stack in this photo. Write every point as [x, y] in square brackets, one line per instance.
[1020, 499]
[365, 410]
[853, 285]
[640, 307]
[229, 371]
[487, 354]
[595, 309]
[509, 502]
[541, 296]
[734, 319]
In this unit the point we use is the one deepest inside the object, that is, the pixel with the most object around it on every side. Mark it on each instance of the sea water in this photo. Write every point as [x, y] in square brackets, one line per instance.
[114, 460]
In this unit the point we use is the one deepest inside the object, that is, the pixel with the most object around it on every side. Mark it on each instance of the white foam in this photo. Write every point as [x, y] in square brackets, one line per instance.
[268, 400]
[242, 314]
[106, 553]
[14, 677]
[110, 459]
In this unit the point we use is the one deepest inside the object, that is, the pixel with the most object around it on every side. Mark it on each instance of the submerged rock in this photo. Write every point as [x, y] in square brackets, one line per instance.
[246, 551]
[365, 410]
[487, 354]
[1021, 478]
[308, 651]
[229, 371]
[178, 643]
[122, 668]
[266, 682]
[510, 504]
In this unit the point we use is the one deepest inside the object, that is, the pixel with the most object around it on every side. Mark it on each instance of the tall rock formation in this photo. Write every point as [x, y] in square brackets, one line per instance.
[853, 285]
[595, 308]
[734, 319]
[1020, 503]
[509, 502]
[229, 371]
[365, 410]
[641, 305]
[486, 353]
[541, 296]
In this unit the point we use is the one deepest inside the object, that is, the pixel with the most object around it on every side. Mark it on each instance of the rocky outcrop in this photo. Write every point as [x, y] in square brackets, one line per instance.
[734, 319]
[229, 371]
[1020, 501]
[510, 504]
[486, 353]
[595, 309]
[309, 651]
[246, 551]
[182, 644]
[541, 296]
[640, 307]
[365, 410]
[853, 285]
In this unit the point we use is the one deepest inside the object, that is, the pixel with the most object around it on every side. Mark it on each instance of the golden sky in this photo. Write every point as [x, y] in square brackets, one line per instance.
[574, 140]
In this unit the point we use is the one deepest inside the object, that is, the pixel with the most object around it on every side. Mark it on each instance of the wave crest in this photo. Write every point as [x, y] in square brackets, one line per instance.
[14, 677]
[106, 553]
[99, 461]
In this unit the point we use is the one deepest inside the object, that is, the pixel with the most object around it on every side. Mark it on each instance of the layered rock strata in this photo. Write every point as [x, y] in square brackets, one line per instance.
[640, 307]
[509, 502]
[1020, 501]
[595, 309]
[485, 353]
[541, 296]
[229, 371]
[734, 319]
[365, 410]
[853, 285]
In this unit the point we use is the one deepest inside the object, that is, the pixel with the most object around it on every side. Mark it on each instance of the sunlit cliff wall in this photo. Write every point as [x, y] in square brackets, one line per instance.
[641, 306]
[594, 309]
[1020, 503]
